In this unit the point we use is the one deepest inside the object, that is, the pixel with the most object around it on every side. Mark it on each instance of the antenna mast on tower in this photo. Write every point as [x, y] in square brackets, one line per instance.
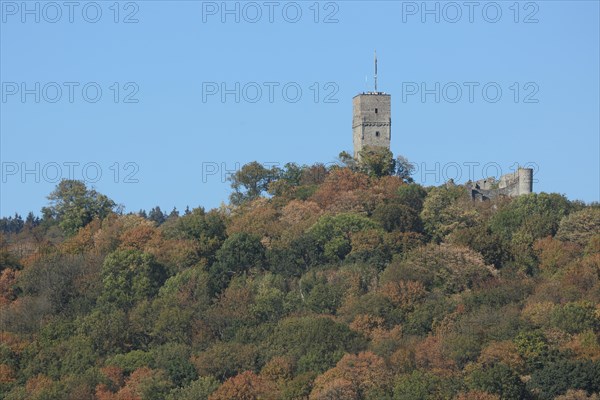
[375, 71]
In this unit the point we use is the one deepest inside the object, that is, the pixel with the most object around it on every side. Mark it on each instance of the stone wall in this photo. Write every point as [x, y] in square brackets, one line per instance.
[515, 184]
[371, 121]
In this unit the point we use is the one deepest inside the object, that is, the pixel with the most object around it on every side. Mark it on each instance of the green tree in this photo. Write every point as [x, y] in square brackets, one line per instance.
[129, 276]
[57, 351]
[108, 329]
[421, 320]
[289, 178]
[157, 216]
[555, 378]
[580, 226]
[131, 361]
[446, 209]
[498, 379]
[533, 347]
[324, 298]
[182, 297]
[199, 225]
[12, 224]
[269, 304]
[412, 195]
[481, 239]
[332, 233]
[295, 258]
[239, 253]
[404, 169]
[377, 162]
[348, 161]
[226, 359]
[397, 216]
[74, 206]
[251, 181]
[420, 385]
[537, 214]
[53, 279]
[199, 389]
[174, 358]
[315, 343]
[8, 260]
[576, 317]
[207, 230]
[452, 269]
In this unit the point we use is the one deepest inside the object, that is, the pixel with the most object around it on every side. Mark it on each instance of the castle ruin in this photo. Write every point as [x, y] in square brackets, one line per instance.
[372, 127]
[515, 184]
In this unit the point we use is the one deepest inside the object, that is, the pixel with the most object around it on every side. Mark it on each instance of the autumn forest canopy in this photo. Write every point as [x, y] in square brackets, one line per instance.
[345, 282]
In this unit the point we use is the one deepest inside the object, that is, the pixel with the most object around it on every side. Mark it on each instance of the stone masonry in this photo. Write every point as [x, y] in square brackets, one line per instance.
[515, 184]
[371, 121]
[372, 127]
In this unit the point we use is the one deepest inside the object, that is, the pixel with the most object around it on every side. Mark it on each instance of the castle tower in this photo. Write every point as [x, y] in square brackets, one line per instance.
[525, 180]
[371, 119]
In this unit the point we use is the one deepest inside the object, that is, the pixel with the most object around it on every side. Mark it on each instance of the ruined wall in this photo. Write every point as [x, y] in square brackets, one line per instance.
[515, 184]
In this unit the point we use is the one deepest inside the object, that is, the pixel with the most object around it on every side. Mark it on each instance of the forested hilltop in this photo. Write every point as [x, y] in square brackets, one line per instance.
[349, 282]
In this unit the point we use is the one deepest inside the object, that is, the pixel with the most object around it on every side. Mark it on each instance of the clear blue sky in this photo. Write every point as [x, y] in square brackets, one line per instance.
[177, 50]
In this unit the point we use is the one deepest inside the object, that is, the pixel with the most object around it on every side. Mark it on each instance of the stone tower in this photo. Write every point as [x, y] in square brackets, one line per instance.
[371, 119]
[525, 178]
